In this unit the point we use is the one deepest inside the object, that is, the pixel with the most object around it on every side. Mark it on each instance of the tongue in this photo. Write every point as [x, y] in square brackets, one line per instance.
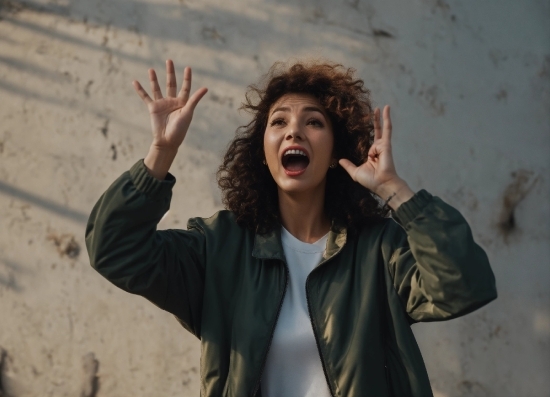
[297, 163]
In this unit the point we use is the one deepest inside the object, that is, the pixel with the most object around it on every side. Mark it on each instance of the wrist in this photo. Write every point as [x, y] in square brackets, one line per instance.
[394, 193]
[159, 160]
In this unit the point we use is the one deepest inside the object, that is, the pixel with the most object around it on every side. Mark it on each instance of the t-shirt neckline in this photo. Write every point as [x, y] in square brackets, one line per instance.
[288, 240]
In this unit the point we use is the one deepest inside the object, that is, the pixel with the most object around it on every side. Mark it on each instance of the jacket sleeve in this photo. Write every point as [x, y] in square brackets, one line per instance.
[438, 271]
[166, 267]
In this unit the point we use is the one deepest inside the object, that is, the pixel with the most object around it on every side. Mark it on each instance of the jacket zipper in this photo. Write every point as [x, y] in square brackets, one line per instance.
[258, 383]
[323, 364]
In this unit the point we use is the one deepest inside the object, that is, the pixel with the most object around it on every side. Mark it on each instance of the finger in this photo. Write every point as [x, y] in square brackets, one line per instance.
[376, 123]
[155, 88]
[141, 92]
[186, 86]
[349, 167]
[386, 133]
[171, 84]
[196, 97]
[373, 152]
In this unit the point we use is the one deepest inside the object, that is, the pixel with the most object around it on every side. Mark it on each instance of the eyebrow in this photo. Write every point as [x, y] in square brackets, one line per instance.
[306, 109]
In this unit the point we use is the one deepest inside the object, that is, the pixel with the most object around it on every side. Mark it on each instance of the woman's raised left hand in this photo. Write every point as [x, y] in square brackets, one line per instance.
[378, 172]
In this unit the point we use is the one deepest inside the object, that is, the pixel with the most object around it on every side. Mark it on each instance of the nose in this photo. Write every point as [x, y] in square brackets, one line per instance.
[293, 132]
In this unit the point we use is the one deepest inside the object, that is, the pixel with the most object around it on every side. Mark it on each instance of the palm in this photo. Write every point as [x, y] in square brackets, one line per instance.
[170, 120]
[170, 115]
[379, 168]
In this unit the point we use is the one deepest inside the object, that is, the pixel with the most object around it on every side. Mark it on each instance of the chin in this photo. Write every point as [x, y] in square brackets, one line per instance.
[296, 186]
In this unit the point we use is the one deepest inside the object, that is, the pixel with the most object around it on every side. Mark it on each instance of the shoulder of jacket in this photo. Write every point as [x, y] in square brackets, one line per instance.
[223, 221]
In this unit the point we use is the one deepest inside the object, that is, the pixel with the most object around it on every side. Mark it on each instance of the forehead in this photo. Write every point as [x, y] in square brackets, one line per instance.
[296, 100]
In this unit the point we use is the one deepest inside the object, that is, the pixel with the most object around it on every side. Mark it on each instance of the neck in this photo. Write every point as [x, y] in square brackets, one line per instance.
[303, 214]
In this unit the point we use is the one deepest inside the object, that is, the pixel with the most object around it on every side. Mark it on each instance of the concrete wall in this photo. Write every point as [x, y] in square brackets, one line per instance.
[469, 83]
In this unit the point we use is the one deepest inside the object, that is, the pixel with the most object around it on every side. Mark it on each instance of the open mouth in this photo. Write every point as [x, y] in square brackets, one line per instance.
[295, 161]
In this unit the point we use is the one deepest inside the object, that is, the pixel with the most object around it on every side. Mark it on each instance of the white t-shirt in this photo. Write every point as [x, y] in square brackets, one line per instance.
[293, 367]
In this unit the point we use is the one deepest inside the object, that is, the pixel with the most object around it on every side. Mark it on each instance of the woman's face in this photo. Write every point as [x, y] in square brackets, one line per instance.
[298, 143]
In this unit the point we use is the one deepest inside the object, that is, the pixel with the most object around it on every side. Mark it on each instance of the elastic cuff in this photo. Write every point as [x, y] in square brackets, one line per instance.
[149, 185]
[411, 208]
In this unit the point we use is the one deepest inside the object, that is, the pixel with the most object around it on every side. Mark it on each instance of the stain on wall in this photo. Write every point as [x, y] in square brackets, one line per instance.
[523, 181]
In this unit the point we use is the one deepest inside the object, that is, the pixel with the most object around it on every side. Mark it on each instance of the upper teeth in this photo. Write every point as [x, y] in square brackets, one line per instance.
[295, 151]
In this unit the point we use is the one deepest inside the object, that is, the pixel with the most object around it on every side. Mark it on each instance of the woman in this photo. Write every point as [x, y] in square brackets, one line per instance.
[302, 287]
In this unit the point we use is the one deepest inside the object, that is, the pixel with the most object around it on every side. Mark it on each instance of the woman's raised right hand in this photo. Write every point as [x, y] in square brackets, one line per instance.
[170, 116]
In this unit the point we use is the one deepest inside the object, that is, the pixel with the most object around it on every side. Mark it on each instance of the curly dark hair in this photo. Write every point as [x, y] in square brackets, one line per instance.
[247, 186]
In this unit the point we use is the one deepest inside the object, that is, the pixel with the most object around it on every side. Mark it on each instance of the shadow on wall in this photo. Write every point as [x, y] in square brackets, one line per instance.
[43, 203]
[200, 28]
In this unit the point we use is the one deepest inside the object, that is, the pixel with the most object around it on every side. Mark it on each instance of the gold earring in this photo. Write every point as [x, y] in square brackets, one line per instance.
[333, 165]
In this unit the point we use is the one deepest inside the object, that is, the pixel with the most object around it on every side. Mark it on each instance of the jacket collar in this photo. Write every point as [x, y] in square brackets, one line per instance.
[269, 246]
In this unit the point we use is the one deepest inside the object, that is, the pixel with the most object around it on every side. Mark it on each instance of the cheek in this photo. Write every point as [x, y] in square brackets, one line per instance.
[271, 147]
[327, 145]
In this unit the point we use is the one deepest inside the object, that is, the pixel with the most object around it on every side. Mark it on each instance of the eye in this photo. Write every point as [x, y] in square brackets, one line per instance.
[316, 122]
[278, 121]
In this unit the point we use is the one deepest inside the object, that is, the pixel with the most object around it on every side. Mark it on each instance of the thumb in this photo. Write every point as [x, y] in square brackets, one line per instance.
[349, 167]
[196, 97]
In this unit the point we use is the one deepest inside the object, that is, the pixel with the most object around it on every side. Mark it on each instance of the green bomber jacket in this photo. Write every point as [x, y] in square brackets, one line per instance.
[225, 284]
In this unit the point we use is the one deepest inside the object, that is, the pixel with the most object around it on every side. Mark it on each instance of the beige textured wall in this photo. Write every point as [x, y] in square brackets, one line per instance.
[470, 88]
